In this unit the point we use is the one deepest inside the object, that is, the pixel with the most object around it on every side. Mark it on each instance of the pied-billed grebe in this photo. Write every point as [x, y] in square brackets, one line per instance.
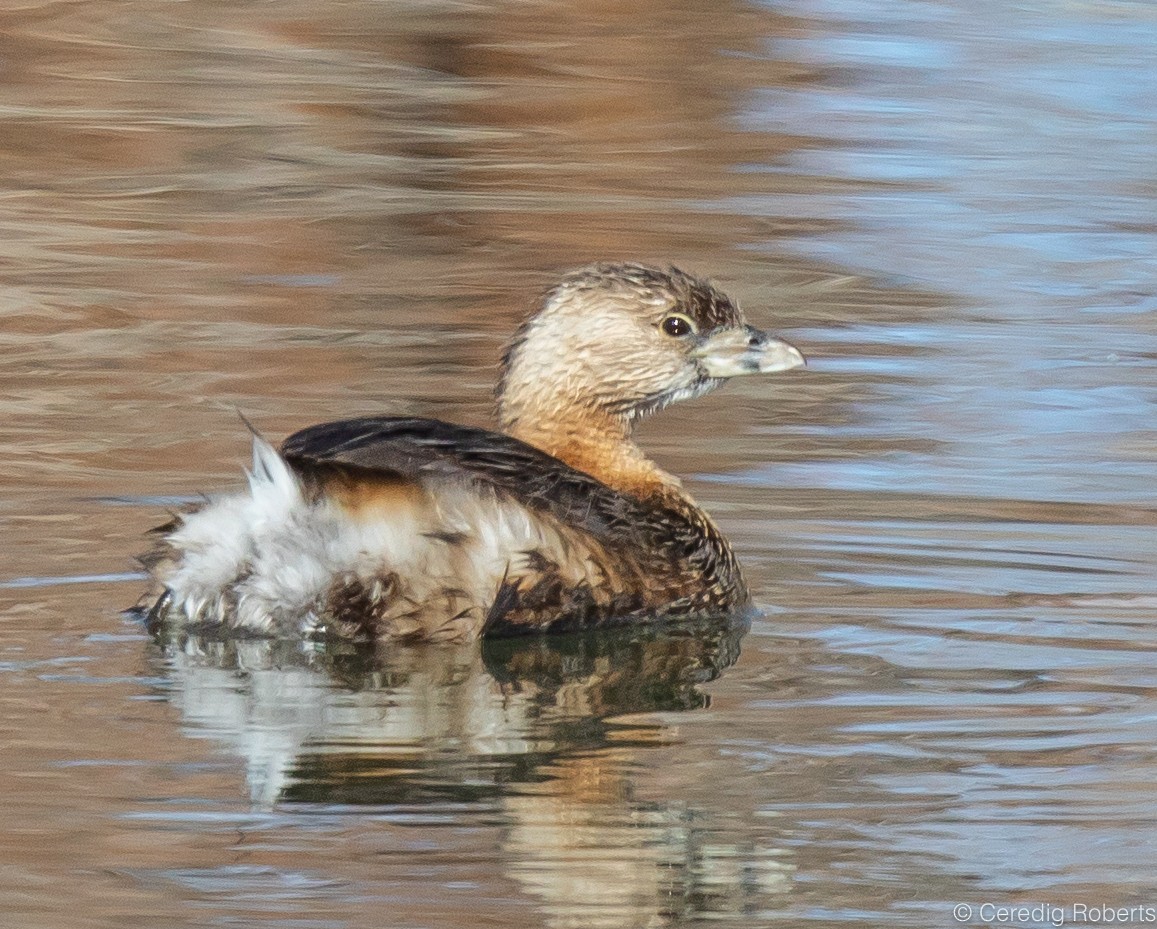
[388, 528]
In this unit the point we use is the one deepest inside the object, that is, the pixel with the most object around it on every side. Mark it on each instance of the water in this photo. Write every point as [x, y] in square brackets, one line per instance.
[303, 212]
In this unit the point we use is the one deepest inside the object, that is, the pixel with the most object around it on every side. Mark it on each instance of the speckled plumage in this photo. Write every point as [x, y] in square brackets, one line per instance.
[393, 528]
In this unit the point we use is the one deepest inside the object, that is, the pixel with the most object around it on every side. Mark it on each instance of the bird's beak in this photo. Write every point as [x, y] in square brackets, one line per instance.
[746, 350]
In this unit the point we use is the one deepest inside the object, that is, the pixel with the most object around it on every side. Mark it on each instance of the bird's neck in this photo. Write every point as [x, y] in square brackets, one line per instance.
[597, 443]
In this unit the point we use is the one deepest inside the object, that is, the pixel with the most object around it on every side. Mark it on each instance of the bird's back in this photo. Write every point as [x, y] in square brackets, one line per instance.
[413, 528]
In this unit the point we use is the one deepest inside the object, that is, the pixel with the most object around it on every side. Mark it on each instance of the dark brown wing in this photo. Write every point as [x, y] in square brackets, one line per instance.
[428, 451]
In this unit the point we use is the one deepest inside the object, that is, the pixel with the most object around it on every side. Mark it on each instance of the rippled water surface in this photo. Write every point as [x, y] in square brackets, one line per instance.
[305, 211]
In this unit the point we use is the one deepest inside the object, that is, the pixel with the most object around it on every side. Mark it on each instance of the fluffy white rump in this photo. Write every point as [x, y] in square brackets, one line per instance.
[266, 560]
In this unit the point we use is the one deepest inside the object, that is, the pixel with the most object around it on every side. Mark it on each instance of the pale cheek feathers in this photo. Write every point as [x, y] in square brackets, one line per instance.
[604, 360]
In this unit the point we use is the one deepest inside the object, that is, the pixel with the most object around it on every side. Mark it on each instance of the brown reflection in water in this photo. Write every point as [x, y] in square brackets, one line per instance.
[204, 216]
[290, 143]
[601, 129]
[534, 729]
[545, 696]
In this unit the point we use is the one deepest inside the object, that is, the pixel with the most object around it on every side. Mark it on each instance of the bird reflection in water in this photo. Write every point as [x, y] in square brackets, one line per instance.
[313, 721]
[538, 730]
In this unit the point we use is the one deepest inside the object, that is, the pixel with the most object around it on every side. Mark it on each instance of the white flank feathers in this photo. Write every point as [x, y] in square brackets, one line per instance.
[266, 560]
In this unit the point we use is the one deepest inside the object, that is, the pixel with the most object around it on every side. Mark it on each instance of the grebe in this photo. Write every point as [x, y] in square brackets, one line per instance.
[398, 528]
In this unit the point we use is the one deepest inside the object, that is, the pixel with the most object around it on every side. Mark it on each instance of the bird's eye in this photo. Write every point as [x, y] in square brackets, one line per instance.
[677, 325]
